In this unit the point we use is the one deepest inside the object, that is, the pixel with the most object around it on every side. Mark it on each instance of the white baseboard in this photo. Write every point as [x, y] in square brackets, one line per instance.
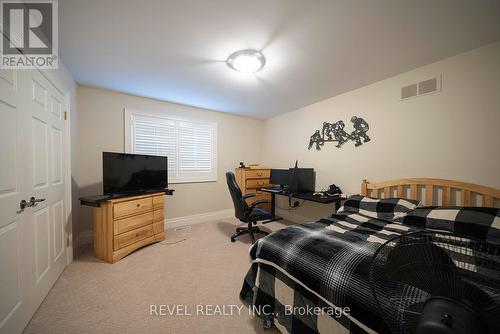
[198, 218]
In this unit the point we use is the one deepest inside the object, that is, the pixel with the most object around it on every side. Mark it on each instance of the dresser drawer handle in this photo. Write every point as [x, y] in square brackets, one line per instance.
[259, 174]
[138, 205]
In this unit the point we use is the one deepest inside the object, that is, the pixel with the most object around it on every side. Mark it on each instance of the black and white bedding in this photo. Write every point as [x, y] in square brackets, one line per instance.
[476, 222]
[303, 275]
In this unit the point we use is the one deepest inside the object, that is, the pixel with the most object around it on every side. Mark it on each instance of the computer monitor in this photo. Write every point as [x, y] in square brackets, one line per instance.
[280, 177]
[302, 180]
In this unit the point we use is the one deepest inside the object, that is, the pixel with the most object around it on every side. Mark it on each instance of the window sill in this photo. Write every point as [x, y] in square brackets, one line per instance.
[181, 181]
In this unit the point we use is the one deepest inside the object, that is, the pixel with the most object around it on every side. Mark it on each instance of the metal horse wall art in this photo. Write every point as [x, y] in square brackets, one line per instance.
[334, 132]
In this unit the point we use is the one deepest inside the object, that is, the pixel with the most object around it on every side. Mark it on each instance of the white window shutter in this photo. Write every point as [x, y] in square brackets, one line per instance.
[156, 137]
[191, 147]
[195, 148]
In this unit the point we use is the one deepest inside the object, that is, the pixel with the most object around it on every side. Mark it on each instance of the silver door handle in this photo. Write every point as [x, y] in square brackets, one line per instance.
[34, 201]
[22, 205]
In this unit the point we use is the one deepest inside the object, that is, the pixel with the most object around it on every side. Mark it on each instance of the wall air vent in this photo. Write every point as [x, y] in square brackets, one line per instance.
[421, 88]
[427, 86]
[409, 91]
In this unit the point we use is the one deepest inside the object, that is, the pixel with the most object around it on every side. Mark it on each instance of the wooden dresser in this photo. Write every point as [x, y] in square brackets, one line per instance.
[126, 224]
[251, 180]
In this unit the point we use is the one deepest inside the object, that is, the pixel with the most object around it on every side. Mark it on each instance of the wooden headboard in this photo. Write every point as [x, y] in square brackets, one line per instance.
[434, 192]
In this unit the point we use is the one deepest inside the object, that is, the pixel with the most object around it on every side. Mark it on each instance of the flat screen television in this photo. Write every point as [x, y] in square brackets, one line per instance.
[133, 173]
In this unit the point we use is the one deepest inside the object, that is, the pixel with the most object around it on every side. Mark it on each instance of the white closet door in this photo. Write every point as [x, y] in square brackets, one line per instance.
[32, 164]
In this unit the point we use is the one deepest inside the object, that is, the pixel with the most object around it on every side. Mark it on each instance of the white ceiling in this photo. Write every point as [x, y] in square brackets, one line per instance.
[315, 49]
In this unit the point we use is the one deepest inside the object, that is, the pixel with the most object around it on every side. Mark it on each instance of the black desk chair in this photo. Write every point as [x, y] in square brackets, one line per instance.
[247, 214]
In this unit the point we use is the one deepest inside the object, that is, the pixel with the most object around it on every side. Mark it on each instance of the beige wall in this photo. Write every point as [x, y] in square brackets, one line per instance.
[101, 128]
[453, 134]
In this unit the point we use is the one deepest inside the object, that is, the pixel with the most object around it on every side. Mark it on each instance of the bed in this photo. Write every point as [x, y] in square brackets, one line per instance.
[313, 278]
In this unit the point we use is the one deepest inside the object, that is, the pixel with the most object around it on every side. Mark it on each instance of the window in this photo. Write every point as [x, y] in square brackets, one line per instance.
[191, 146]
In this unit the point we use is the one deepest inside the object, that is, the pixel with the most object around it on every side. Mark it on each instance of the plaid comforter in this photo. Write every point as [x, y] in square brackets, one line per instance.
[323, 264]
[303, 274]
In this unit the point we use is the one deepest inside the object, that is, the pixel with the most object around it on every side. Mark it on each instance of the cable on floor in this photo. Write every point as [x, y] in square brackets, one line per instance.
[184, 235]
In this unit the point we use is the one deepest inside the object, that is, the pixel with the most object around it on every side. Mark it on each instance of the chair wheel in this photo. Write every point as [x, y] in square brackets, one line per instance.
[232, 239]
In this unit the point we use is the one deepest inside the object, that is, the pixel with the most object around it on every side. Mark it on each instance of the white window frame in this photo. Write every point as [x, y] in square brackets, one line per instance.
[129, 140]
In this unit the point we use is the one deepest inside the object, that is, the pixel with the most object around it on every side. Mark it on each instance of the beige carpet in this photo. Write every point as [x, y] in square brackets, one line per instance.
[206, 269]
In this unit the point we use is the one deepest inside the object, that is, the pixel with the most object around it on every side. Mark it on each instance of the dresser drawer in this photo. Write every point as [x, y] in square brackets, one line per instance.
[132, 222]
[257, 173]
[158, 216]
[258, 196]
[158, 227]
[258, 192]
[257, 183]
[128, 238]
[159, 236]
[158, 202]
[132, 207]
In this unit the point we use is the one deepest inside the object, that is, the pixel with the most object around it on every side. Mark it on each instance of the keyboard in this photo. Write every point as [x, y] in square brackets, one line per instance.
[274, 189]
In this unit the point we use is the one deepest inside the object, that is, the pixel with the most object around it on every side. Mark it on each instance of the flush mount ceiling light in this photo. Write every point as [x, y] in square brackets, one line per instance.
[246, 61]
